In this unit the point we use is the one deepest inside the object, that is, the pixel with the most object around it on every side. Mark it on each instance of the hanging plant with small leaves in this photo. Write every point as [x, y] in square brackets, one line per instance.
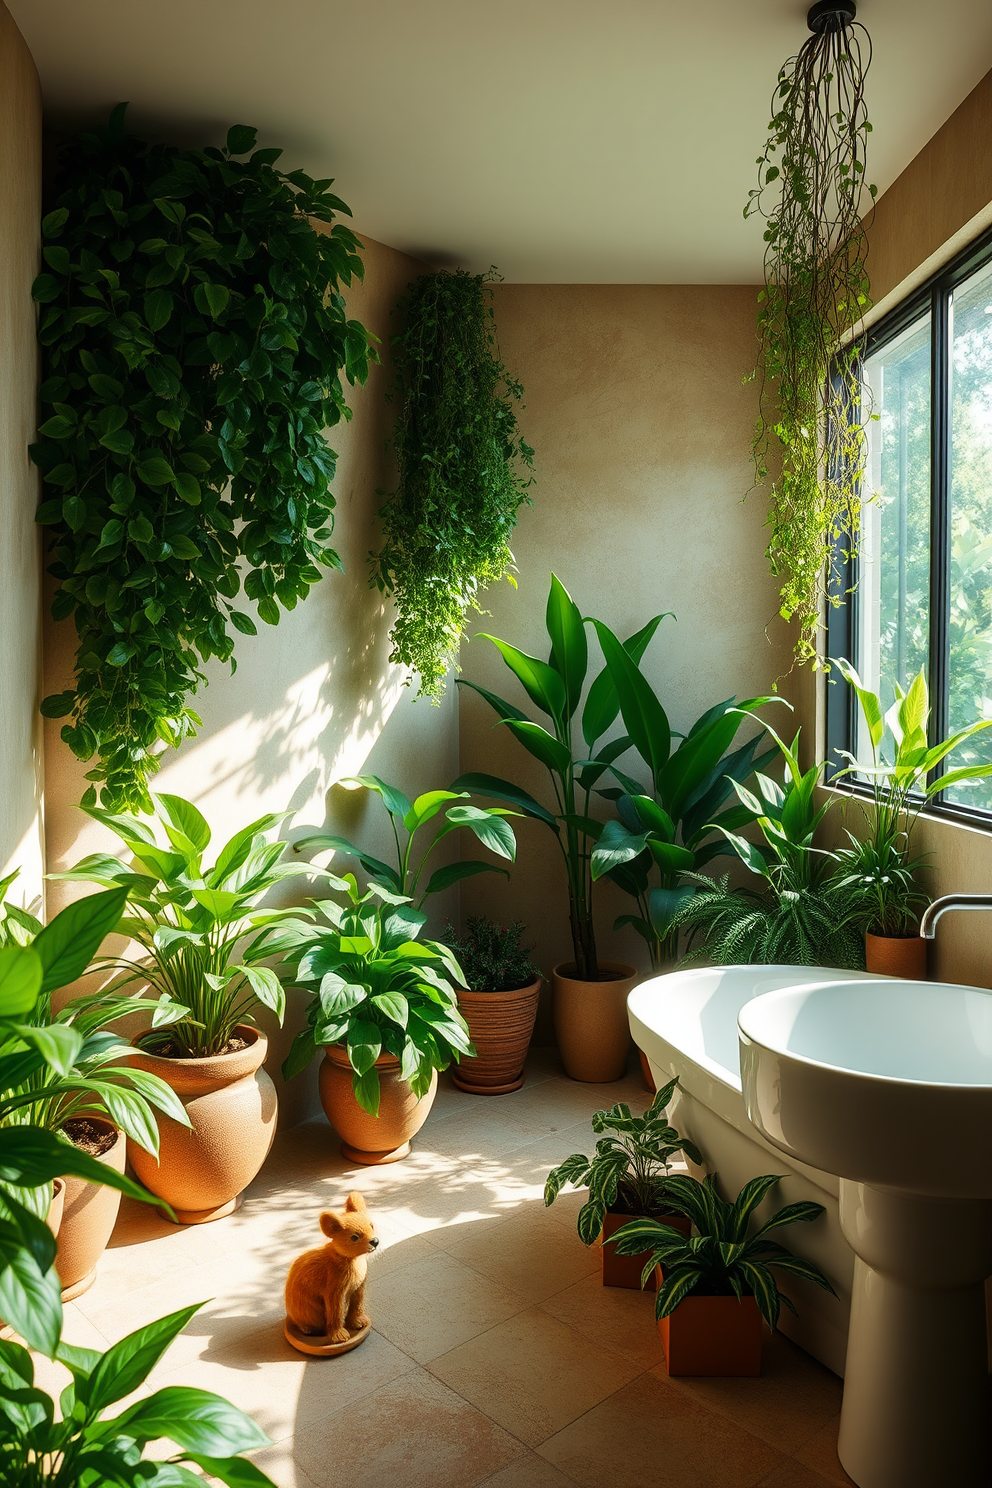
[194, 339]
[812, 193]
[447, 526]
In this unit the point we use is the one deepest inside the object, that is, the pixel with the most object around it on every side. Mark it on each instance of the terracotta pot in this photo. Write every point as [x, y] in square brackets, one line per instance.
[712, 1336]
[501, 1024]
[54, 1216]
[646, 1072]
[897, 955]
[372, 1139]
[89, 1213]
[232, 1105]
[590, 1021]
[625, 1271]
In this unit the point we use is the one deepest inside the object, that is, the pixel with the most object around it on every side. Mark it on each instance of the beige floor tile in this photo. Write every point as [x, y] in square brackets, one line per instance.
[820, 1453]
[791, 1401]
[278, 1461]
[529, 1472]
[648, 1435]
[433, 1305]
[528, 1254]
[622, 1319]
[415, 1433]
[533, 1375]
[78, 1330]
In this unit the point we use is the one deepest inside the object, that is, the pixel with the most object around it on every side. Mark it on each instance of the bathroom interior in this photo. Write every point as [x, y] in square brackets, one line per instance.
[494, 720]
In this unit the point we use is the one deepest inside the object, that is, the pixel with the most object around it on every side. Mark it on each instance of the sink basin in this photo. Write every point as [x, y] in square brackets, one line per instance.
[888, 1084]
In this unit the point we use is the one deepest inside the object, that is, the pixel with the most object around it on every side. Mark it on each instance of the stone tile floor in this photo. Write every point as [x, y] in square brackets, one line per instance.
[497, 1357]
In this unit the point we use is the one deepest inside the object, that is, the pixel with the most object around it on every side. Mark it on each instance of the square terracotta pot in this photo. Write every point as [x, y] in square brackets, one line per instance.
[708, 1336]
[625, 1271]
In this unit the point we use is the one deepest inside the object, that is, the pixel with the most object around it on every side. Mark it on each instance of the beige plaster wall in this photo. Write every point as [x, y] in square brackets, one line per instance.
[20, 726]
[314, 699]
[635, 404]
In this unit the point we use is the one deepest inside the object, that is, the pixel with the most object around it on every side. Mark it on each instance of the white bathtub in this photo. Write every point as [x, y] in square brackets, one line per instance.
[686, 1023]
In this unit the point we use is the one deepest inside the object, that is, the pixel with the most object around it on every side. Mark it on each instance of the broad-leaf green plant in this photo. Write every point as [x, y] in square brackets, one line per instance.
[407, 818]
[462, 471]
[721, 1259]
[557, 688]
[630, 1170]
[379, 988]
[204, 938]
[194, 340]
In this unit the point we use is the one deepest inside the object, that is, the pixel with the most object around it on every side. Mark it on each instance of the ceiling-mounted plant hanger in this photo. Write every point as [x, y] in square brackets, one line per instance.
[813, 193]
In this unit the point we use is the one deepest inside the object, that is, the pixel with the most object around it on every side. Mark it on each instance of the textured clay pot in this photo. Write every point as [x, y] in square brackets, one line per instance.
[501, 1024]
[54, 1216]
[590, 1021]
[372, 1139]
[89, 1213]
[231, 1103]
[897, 955]
[625, 1271]
[708, 1336]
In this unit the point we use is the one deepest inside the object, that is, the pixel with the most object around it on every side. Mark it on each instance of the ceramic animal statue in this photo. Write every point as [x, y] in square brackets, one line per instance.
[325, 1288]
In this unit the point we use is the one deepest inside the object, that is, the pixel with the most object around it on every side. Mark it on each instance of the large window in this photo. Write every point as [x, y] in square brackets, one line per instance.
[920, 590]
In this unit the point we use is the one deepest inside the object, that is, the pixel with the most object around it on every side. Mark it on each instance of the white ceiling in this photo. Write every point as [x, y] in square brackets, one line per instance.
[566, 141]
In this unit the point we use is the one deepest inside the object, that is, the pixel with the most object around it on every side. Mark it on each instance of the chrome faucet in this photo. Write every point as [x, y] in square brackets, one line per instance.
[928, 924]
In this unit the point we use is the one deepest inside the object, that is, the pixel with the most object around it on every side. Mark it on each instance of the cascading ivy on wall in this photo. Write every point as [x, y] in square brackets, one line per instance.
[812, 192]
[447, 526]
[194, 339]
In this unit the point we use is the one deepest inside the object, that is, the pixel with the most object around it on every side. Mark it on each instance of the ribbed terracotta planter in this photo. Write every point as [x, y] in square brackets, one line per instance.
[89, 1213]
[590, 1021]
[501, 1025]
[231, 1102]
[712, 1336]
[625, 1271]
[897, 955]
[372, 1139]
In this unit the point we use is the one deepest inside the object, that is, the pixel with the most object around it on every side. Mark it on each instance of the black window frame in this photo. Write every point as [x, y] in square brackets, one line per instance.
[841, 706]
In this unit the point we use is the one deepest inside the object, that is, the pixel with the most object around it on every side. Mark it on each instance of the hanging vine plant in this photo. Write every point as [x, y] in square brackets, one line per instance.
[461, 457]
[812, 192]
[194, 340]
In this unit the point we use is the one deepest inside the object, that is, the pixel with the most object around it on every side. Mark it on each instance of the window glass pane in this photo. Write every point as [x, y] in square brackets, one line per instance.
[970, 639]
[892, 603]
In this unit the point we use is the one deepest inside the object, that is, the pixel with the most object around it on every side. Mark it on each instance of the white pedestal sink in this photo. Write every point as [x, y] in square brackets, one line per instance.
[889, 1085]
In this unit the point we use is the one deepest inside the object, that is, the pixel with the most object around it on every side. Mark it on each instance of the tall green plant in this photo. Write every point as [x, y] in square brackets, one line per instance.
[557, 687]
[194, 338]
[811, 194]
[447, 526]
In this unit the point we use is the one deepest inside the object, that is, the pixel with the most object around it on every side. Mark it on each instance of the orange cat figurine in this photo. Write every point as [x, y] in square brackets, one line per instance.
[325, 1288]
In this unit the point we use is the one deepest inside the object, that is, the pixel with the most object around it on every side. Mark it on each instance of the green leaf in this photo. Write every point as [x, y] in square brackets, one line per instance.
[154, 471]
[67, 944]
[491, 828]
[185, 818]
[554, 755]
[194, 1419]
[452, 873]
[241, 139]
[541, 682]
[127, 1364]
[569, 651]
[236, 1472]
[644, 718]
[158, 308]
[504, 790]
[602, 704]
[21, 973]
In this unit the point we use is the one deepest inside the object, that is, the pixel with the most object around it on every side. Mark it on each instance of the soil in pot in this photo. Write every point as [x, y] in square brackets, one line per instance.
[625, 1271]
[89, 1211]
[897, 955]
[372, 1139]
[590, 1021]
[231, 1102]
[500, 1025]
[712, 1336]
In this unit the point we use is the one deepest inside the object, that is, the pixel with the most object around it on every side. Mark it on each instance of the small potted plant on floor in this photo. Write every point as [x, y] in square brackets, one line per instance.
[385, 1014]
[499, 1004]
[628, 1176]
[715, 1287]
[880, 870]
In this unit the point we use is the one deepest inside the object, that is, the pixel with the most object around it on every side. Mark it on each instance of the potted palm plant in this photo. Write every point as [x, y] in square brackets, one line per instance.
[880, 868]
[203, 941]
[499, 1004]
[385, 1014]
[589, 997]
[85, 1091]
[715, 1287]
[628, 1176]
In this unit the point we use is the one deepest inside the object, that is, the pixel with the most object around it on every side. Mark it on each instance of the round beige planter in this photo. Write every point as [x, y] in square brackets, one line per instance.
[372, 1139]
[500, 1025]
[590, 1021]
[89, 1213]
[231, 1102]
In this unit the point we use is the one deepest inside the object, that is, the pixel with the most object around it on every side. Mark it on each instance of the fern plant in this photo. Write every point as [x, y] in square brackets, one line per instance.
[447, 525]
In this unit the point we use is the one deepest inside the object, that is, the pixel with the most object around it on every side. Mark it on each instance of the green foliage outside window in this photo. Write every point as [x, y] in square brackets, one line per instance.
[447, 526]
[194, 339]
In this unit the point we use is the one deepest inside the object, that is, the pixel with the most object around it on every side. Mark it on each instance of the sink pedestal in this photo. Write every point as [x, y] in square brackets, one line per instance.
[916, 1410]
